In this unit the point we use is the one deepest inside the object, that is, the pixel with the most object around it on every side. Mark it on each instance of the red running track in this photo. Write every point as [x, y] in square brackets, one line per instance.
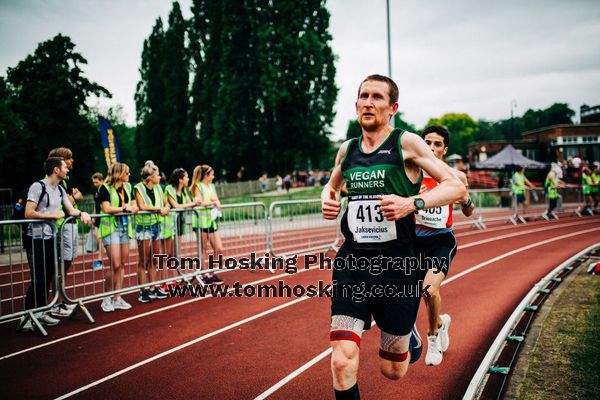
[229, 350]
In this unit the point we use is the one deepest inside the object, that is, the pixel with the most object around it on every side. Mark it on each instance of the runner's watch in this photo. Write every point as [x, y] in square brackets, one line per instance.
[419, 203]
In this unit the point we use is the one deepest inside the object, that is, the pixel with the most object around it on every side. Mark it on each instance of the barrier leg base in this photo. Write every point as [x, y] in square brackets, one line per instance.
[34, 320]
[86, 312]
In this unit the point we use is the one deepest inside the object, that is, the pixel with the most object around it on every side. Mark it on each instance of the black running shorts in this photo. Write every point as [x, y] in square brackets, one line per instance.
[364, 288]
[436, 252]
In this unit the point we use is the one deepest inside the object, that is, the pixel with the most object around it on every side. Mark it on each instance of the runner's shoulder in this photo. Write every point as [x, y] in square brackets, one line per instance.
[342, 152]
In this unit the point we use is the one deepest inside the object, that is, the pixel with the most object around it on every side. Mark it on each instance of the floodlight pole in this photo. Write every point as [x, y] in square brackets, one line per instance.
[389, 47]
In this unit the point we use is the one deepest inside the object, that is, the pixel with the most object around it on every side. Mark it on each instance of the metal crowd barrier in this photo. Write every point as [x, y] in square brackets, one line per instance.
[125, 265]
[500, 205]
[286, 228]
[28, 271]
[244, 229]
[298, 226]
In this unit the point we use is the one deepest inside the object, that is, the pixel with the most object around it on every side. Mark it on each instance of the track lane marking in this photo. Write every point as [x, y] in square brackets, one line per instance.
[145, 314]
[325, 353]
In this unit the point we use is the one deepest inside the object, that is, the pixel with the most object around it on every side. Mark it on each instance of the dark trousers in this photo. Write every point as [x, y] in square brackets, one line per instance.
[40, 255]
[551, 205]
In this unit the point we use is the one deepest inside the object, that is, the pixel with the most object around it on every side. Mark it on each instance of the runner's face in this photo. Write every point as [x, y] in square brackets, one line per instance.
[69, 162]
[125, 176]
[436, 144]
[185, 179]
[96, 182]
[373, 105]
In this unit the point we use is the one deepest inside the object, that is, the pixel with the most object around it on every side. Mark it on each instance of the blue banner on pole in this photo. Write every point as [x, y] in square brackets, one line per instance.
[109, 142]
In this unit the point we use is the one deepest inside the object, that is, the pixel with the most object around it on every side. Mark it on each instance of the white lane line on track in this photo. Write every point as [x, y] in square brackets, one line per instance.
[314, 360]
[151, 312]
[509, 235]
[511, 226]
[182, 346]
[325, 353]
[202, 298]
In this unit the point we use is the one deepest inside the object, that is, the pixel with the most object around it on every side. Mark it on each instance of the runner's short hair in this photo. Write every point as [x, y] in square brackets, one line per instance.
[98, 176]
[392, 87]
[440, 130]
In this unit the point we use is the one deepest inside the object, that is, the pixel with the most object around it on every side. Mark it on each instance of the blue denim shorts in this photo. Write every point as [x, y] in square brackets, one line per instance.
[148, 232]
[119, 236]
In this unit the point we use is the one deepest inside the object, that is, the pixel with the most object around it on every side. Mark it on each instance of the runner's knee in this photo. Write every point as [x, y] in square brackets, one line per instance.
[394, 355]
[345, 336]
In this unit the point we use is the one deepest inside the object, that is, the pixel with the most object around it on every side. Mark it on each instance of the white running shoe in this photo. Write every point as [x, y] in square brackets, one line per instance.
[46, 319]
[120, 304]
[443, 331]
[62, 310]
[434, 350]
[107, 305]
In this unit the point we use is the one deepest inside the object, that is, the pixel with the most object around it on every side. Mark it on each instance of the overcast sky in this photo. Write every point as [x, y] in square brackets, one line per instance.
[469, 56]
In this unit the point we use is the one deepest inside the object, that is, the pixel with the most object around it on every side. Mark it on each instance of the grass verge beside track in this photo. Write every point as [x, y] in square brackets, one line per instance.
[566, 359]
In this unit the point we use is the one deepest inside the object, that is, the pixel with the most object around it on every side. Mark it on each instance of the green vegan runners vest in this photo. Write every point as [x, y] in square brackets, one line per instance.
[367, 176]
[149, 219]
[109, 224]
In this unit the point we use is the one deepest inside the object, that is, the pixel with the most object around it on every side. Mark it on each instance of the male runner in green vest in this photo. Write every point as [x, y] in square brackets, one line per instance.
[382, 172]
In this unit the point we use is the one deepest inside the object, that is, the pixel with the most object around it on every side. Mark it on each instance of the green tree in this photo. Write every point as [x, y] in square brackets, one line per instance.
[559, 113]
[151, 115]
[175, 76]
[205, 52]
[400, 123]
[461, 128]
[49, 93]
[354, 130]
[15, 141]
[297, 82]
[235, 120]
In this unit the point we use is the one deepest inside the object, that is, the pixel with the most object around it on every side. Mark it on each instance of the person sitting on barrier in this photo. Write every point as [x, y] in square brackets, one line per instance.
[205, 195]
[551, 184]
[179, 197]
[44, 201]
[69, 232]
[116, 197]
[519, 183]
[150, 197]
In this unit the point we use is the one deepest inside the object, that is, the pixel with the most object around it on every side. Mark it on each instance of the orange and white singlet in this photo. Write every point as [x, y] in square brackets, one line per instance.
[433, 221]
